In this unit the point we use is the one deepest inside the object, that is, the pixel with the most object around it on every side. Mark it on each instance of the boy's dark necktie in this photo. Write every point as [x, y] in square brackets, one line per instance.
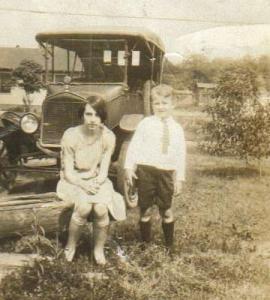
[165, 136]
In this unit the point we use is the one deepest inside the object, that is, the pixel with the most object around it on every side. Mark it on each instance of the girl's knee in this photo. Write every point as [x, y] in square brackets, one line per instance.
[101, 215]
[78, 219]
[100, 210]
[82, 210]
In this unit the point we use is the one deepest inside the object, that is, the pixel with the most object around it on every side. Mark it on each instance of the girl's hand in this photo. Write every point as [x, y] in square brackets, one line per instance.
[91, 187]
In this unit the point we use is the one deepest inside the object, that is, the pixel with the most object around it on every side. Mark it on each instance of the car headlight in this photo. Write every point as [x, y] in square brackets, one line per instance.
[29, 123]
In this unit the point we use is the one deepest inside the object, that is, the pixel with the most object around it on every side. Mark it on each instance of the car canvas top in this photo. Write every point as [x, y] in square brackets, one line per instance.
[101, 32]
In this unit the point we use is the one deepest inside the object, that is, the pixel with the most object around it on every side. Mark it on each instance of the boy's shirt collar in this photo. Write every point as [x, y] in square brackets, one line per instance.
[168, 119]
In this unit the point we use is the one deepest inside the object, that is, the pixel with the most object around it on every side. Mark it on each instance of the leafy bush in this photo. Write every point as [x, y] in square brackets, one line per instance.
[30, 73]
[240, 124]
[37, 242]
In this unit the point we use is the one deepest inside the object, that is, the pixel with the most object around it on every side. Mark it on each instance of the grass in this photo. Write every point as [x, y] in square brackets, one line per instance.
[222, 217]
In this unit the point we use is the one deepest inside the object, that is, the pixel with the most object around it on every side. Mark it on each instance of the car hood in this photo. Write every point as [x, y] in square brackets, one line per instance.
[106, 91]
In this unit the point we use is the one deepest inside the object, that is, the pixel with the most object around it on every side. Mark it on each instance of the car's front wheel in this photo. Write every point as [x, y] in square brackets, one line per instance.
[7, 177]
[130, 193]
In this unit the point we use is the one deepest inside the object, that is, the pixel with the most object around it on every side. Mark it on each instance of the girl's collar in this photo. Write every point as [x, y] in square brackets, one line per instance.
[87, 138]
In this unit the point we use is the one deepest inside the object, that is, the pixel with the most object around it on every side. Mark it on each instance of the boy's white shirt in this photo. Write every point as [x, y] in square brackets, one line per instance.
[146, 147]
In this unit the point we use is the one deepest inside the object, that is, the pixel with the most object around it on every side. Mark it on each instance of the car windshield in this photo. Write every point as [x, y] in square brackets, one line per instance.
[89, 61]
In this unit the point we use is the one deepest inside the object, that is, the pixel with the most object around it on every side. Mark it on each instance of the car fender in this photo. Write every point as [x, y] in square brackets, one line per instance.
[7, 130]
[10, 122]
[130, 122]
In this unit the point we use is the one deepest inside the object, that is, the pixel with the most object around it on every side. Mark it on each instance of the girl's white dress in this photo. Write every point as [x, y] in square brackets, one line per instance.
[86, 158]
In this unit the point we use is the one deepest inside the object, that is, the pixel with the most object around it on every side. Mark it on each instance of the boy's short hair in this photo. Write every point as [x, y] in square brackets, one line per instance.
[161, 90]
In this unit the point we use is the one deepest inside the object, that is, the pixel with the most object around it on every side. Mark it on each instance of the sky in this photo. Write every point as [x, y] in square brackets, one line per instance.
[232, 41]
[171, 19]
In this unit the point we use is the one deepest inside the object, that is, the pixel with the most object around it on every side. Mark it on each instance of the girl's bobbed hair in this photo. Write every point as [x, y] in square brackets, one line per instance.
[98, 104]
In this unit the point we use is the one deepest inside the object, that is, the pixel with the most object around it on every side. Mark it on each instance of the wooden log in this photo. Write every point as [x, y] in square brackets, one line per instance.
[19, 202]
[31, 196]
[9, 262]
[18, 216]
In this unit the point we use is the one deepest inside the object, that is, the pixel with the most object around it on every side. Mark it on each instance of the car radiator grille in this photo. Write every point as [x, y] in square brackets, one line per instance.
[57, 117]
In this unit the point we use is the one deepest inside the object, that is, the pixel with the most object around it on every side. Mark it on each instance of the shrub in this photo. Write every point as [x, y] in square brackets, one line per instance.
[30, 74]
[239, 123]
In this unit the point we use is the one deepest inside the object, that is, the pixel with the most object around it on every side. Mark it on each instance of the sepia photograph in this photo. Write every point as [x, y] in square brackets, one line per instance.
[135, 150]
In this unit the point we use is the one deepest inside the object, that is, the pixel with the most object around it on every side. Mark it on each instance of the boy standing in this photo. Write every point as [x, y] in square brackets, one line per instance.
[156, 158]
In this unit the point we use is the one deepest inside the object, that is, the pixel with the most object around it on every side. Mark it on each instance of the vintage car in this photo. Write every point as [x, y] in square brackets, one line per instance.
[118, 63]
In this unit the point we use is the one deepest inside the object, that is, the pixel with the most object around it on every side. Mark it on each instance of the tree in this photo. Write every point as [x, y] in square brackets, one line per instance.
[29, 74]
[240, 124]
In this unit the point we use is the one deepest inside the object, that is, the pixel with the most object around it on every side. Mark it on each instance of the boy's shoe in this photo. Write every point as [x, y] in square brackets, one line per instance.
[168, 231]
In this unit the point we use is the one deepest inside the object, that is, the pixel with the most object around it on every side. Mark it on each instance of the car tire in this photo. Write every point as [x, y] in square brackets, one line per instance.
[130, 194]
[7, 178]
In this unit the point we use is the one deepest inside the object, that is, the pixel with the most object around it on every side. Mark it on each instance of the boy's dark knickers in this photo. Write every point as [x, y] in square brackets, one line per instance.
[155, 186]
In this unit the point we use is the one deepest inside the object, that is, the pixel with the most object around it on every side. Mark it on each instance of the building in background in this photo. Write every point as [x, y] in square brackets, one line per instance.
[203, 92]
[10, 58]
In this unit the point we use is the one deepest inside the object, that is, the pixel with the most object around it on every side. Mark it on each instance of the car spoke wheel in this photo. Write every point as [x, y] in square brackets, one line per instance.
[130, 193]
[7, 177]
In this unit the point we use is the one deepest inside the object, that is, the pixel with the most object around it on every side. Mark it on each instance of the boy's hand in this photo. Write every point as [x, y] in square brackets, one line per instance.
[177, 187]
[130, 175]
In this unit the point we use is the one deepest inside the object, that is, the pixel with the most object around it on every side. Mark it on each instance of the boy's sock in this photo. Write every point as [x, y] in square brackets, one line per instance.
[145, 228]
[168, 230]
